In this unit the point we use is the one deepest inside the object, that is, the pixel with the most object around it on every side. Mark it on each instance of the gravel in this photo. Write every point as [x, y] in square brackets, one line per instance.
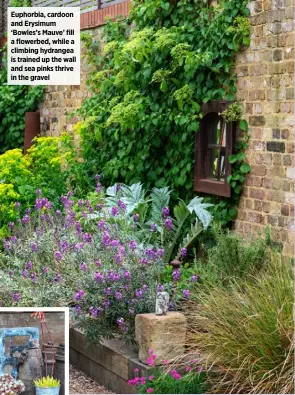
[80, 383]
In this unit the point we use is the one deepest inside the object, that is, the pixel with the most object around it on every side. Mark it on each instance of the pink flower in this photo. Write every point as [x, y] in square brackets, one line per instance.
[194, 360]
[188, 368]
[136, 370]
[150, 390]
[200, 369]
[150, 361]
[175, 375]
[151, 378]
[165, 362]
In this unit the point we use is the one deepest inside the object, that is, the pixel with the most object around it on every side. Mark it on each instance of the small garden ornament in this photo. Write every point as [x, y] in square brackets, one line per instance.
[162, 303]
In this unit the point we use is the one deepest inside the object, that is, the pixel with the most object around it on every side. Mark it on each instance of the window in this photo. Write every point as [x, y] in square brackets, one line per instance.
[214, 144]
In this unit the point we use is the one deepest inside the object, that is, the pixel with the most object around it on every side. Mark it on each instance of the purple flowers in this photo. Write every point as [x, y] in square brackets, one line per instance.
[98, 277]
[160, 288]
[34, 247]
[135, 217]
[195, 277]
[16, 297]
[58, 255]
[132, 245]
[165, 211]
[183, 252]
[186, 293]
[25, 219]
[122, 324]
[79, 295]
[138, 293]
[29, 265]
[113, 276]
[94, 311]
[101, 224]
[176, 275]
[127, 275]
[83, 267]
[114, 211]
[168, 224]
[42, 203]
[122, 205]
[118, 295]
[78, 227]
[25, 273]
[153, 227]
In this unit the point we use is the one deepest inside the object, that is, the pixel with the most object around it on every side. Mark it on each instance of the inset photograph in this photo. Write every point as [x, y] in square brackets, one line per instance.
[33, 351]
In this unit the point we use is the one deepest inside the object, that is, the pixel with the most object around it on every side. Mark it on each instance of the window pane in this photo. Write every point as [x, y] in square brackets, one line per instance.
[213, 127]
[216, 164]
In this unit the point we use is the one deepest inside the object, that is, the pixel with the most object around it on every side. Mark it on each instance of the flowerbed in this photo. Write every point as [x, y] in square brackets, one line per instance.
[90, 255]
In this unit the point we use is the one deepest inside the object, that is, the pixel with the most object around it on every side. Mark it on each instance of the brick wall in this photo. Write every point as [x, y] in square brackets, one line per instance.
[59, 101]
[266, 88]
[54, 321]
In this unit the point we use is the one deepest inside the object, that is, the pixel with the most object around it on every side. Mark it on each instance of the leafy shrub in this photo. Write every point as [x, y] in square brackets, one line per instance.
[86, 256]
[163, 380]
[15, 101]
[231, 258]
[44, 166]
[249, 332]
[148, 81]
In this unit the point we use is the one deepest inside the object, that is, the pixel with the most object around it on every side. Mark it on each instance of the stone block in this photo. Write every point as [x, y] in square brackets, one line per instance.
[165, 335]
[275, 146]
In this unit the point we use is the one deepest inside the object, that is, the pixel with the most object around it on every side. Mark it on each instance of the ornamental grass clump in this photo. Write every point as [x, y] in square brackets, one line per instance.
[86, 256]
[248, 332]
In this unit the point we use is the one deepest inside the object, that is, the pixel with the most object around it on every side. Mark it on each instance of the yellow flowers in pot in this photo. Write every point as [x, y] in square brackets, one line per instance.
[47, 382]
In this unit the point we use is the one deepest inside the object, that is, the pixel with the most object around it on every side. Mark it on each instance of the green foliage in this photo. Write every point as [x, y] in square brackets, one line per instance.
[249, 331]
[154, 224]
[15, 101]
[45, 166]
[232, 258]
[149, 80]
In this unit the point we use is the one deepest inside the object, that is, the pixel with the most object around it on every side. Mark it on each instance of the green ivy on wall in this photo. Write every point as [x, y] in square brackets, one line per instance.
[15, 101]
[149, 80]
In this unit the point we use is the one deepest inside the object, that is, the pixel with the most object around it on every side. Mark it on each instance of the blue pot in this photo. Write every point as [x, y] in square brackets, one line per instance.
[47, 391]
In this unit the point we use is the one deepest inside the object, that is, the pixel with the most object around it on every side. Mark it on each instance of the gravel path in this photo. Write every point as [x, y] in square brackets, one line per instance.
[80, 383]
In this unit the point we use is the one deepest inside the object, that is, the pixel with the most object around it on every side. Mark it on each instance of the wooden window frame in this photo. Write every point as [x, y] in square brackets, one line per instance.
[201, 182]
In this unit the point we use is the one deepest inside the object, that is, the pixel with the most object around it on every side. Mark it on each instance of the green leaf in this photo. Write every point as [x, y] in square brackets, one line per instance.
[245, 168]
[244, 125]
[200, 209]
[164, 86]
